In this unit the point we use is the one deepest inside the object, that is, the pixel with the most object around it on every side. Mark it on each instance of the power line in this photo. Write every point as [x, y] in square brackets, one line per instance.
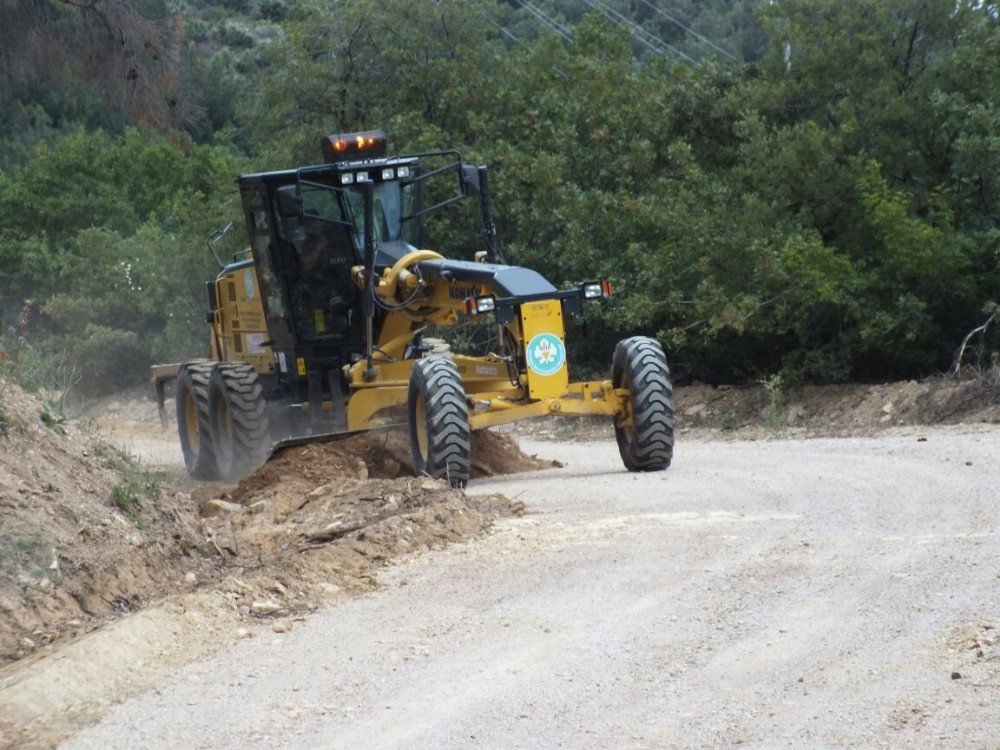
[550, 22]
[559, 72]
[607, 12]
[643, 35]
[503, 29]
[691, 31]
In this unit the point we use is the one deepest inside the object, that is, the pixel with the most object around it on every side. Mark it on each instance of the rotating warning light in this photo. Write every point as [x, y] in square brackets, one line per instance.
[370, 144]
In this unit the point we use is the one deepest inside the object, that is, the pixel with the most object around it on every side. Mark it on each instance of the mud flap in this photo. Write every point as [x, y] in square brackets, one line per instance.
[163, 374]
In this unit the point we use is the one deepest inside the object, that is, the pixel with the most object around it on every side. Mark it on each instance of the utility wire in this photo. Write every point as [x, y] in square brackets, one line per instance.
[648, 33]
[550, 22]
[551, 19]
[503, 29]
[558, 71]
[691, 31]
[643, 35]
[607, 12]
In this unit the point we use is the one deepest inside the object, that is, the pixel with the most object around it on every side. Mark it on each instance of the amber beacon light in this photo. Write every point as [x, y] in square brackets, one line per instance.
[370, 144]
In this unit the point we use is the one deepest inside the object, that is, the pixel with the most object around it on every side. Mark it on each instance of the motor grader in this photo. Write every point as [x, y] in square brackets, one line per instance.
[316, 329]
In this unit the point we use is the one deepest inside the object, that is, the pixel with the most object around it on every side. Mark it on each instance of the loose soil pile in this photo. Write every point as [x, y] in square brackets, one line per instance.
[88, 535]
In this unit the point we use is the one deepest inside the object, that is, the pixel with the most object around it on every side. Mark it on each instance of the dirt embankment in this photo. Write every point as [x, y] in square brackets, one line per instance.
[760, 411]
[88, 535]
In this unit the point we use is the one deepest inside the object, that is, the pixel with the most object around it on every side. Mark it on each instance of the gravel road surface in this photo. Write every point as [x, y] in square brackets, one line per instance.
[779, 594]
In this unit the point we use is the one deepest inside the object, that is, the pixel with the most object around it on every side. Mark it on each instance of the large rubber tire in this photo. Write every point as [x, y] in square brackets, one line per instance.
[191, 397]
[238, 421]
[439, 421]
[647, 444]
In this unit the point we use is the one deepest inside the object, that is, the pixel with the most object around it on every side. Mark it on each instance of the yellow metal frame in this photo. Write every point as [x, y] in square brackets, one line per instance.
[594, 398]
[492, 402]
[374, 402]
[239, 331]
[494, 399]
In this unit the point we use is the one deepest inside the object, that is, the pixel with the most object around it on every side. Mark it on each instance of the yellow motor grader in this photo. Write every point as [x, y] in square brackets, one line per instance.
[317, 328]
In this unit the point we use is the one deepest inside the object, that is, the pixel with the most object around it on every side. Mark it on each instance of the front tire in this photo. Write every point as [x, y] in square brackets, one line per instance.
[439, 421]
[646, 441]
[239, 424]
[193, 424]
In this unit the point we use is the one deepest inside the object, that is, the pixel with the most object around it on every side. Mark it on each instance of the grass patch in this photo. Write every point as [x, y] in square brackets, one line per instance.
[137, 483]
[55, 421]
[4, 422]
[21, 556]
[773, 418]
[732, 419]
[125, 498]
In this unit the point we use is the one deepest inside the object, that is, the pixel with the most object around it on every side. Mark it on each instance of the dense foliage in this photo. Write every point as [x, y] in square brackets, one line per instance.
[826, 206]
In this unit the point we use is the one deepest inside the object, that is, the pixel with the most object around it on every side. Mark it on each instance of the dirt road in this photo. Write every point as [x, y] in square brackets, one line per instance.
[819, 592]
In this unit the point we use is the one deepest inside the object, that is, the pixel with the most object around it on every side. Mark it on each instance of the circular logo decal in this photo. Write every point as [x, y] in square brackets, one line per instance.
[248, 283]
[546, 353]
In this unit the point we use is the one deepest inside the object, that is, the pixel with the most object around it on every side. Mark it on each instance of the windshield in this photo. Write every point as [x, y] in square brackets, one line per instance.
[391, 203]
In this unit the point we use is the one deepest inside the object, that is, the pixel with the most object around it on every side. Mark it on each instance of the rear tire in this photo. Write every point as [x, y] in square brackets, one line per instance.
[193, 426]
[238, 417]
[439, 421]
[647, 444]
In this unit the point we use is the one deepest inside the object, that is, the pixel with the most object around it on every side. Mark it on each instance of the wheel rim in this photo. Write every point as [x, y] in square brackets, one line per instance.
[191, 423]
[420, 426]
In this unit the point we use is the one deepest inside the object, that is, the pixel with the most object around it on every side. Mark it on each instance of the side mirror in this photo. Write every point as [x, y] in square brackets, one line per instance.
[289, 202]
[468, 178]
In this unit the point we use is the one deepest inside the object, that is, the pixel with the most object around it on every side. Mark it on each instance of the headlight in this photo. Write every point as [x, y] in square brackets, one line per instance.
[403, 172]
[480, 305]
[346, 178]
[387, 174]
[596, 289]
[361, 177]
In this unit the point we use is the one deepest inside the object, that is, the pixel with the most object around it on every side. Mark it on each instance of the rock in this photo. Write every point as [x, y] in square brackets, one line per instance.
[694, 411]
[265, 607]
[431, 485]
[224, 538]
[319, 491]
[360, 469]
[796, 412]
[27, 644]
[956, 675]
[190, 578]
[45, 584]
[329, 588]
[887, 407]
[281, 625]
[217, 507]
[241, 633]
[258, 507]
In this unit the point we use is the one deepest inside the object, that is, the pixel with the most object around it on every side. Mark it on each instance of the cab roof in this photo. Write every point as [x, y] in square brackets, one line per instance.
[322, 170]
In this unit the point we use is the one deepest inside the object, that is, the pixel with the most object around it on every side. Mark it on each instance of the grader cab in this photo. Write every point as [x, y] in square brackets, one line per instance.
[317, 328]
